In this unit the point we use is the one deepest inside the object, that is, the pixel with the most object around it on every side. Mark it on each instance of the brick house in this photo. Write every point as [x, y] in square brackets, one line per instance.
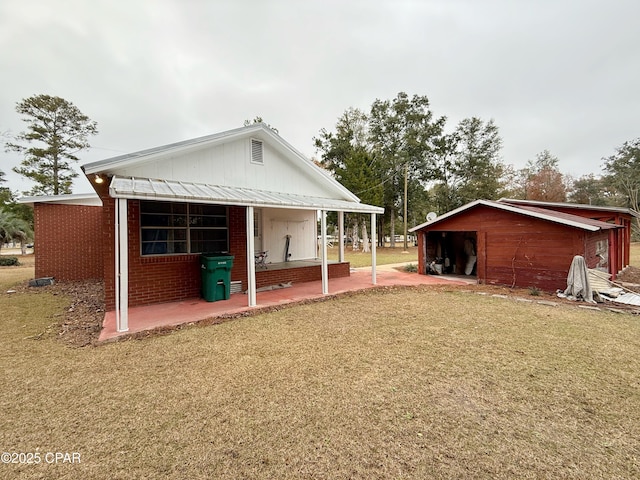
[524, 243]
[68, 231]
[155, 211]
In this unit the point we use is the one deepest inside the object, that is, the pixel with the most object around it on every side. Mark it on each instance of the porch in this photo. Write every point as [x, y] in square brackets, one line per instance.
[167, 315]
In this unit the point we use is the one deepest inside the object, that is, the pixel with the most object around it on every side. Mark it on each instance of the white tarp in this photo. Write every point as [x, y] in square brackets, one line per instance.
[578, 285]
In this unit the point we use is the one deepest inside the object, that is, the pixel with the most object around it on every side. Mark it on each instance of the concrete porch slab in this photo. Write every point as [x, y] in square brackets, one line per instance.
[161, 315]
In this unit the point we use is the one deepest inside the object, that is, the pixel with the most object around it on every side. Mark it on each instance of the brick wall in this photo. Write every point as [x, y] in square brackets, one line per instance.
[67, 241]
[108, 243]
[265, 278]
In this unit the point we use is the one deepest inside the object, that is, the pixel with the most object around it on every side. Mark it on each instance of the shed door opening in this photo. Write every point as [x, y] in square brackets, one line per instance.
[451, 253]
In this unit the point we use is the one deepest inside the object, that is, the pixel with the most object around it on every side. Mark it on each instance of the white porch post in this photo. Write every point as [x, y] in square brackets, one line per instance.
[251, 265]
[374, 242]
[323, 241]
[341, 236]
[122, 266]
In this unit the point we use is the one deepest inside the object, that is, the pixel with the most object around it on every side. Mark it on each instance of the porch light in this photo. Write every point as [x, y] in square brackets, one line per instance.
[98, 179]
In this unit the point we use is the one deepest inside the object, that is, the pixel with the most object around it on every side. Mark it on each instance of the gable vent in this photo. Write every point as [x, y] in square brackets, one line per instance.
[256, 151]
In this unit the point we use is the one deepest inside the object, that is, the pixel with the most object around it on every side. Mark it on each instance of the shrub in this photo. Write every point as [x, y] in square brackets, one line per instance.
[9, 261]
[411, 267]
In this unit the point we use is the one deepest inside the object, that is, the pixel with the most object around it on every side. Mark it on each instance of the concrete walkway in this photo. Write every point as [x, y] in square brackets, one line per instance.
[168, 315]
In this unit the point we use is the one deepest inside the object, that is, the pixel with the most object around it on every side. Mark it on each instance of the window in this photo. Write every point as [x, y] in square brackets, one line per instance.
[602, 252]
[169, 228]
[256, 152]
[257, 229]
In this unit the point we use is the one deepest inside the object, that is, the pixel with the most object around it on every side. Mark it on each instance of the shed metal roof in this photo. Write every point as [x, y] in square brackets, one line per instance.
[576, 206]
[539, 213]
[567, 216]
[167, 190]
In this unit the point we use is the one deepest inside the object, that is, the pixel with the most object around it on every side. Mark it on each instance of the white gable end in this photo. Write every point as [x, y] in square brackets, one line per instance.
[235, 162]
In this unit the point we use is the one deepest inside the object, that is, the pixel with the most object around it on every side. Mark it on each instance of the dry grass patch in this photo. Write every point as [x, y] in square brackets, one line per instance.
[391, 384]
[635, 255]
[10, 276]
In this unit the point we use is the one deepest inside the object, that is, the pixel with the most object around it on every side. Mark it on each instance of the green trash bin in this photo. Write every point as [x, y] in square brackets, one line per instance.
[216, 276]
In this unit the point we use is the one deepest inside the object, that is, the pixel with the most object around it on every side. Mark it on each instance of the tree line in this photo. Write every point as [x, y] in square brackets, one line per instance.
[400, 146]
[397, 155]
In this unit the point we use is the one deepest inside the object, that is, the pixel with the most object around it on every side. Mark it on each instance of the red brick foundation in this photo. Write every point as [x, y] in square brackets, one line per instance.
[311, 273]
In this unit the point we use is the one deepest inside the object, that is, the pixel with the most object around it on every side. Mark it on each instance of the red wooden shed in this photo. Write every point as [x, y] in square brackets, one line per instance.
[523, 244]
[616, 215]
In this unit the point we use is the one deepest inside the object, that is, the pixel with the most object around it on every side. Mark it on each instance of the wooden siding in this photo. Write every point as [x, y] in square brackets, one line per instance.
[623, 242]
[533, 257]
[515, 250]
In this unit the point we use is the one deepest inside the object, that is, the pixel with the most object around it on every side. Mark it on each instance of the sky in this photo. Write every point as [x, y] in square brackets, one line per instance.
[557, 75]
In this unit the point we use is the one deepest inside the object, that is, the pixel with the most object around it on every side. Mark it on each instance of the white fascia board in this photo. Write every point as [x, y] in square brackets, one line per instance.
[446, 215]
[83, 199]
[509, 208]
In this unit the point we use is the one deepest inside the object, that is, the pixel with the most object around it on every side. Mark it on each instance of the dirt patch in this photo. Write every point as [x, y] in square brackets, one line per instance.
[83, 317]
[630, 278]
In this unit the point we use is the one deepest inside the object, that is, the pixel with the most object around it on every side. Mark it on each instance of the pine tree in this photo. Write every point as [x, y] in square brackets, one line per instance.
[57, 131]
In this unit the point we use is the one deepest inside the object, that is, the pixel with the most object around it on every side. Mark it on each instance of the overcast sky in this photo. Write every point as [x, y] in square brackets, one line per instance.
[562, 75]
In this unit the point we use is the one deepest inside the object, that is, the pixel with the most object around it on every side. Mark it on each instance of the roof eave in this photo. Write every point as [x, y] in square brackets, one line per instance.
[165, 190]
[104, 166]
[577, 206]
[508, 208]
[83, 199]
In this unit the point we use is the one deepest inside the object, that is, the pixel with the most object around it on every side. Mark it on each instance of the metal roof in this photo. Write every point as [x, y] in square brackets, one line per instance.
[168, 190]
[577, 206]
[570, 217]
[539, 213]
[627, 298]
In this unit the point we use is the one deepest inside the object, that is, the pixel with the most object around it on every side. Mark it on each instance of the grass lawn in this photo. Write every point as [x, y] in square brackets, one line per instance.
[418, 383]
[384, 256]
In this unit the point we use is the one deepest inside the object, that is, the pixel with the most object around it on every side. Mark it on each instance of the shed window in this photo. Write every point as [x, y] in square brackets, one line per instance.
[257, 152]
[169, 228]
